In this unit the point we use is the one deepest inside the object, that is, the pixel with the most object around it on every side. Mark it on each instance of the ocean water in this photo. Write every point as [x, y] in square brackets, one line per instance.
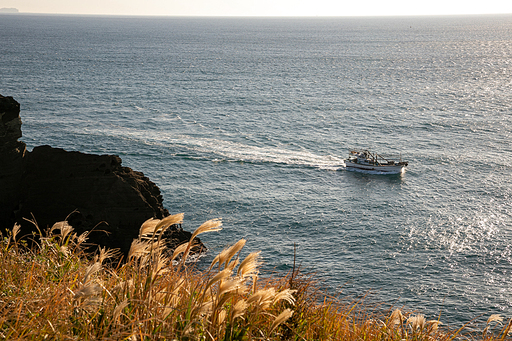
[249, 120]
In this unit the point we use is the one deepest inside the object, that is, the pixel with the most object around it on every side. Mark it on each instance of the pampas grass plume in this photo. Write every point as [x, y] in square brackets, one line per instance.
[434, 324]
[285, 295]
[218, 277]
[229, 285]
[118, 310]
[91, 270]
[64, 228]
[137, 249]
[495, 318]
[249, 265]
[281, 318]
[263, 298]
[239, 309]
[209, 226]
[395, 318]
[179, 250]
[417, 321]
[88, 290]
[232, 251]
[170, 220]
[148, 227]
[154, 226]
[15, 230]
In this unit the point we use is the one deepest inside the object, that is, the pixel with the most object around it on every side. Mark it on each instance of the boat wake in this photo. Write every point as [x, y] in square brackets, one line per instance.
[218, 150]
[226, 151]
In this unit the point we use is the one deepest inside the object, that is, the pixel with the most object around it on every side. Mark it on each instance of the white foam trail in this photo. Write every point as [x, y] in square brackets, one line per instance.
[244, 152]
[230, 151]
[235, 151]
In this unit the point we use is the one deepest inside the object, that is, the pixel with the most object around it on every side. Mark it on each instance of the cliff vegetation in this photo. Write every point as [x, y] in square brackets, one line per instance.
[55, 290]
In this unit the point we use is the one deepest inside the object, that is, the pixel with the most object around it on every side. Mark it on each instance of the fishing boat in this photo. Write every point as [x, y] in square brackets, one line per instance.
[364, 160]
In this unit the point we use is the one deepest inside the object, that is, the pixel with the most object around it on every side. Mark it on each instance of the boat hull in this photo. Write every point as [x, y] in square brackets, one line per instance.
[391, 169]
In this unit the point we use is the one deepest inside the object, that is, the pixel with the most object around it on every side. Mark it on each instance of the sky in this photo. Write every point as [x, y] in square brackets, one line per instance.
[261, 7]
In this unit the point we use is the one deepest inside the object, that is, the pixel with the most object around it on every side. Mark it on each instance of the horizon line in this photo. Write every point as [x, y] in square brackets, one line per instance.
[258, 16]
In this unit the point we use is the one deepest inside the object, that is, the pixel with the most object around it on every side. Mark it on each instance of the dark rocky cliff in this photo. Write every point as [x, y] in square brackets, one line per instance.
[93, 192]
[12, 153]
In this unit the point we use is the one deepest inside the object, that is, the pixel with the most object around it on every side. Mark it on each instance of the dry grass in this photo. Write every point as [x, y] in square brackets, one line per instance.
[53, 291]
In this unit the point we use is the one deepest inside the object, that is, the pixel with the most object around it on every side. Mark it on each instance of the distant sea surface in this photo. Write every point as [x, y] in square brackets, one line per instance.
[249, 120]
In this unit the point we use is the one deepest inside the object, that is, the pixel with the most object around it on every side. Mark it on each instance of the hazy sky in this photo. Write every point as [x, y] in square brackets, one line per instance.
[262, 7]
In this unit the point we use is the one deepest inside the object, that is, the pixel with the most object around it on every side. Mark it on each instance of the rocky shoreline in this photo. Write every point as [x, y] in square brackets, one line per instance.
[92, 192]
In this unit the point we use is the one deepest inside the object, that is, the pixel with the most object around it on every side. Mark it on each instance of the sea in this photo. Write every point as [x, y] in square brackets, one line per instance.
[249, 120]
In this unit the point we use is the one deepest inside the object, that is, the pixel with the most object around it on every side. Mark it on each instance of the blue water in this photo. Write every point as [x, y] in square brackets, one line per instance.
[249, 120]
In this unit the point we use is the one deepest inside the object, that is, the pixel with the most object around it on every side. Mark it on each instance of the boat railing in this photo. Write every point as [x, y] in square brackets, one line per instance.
[374, 157]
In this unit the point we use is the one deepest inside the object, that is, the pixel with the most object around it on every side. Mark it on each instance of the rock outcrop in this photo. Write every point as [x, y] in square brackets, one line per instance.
[92, 192]
[12, 153]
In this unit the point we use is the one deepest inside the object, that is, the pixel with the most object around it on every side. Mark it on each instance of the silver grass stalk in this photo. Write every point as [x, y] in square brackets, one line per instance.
[254, 282]
[82, 238]
[232, 265]
[249, 265]
[169, 221]
[239, 309]
[215, 261]
[395, 318]
[285, 295]
[152, 227]
[91, 270]
[225, 255]
[507, 330]
[179, 250]
[118, 310]
[263, 298]
[141, 248]
[206, 308]
[434, 324]
[281, 318]
[495, 318]
[232, 251]
[230, 285]
[218, 277]
[209, 226]
[172, 298]
[137, 249]
[221, 317]
[417, 322]
[92, 289]
[220, 258]
[148, 227]
[64, 228]
[105, 254]
[124, 285]
[64, 250]
[223, 300]
[158, 265]
[15, 230]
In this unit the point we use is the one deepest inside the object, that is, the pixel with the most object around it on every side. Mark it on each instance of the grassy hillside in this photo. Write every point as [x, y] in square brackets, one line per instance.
[53, 290]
